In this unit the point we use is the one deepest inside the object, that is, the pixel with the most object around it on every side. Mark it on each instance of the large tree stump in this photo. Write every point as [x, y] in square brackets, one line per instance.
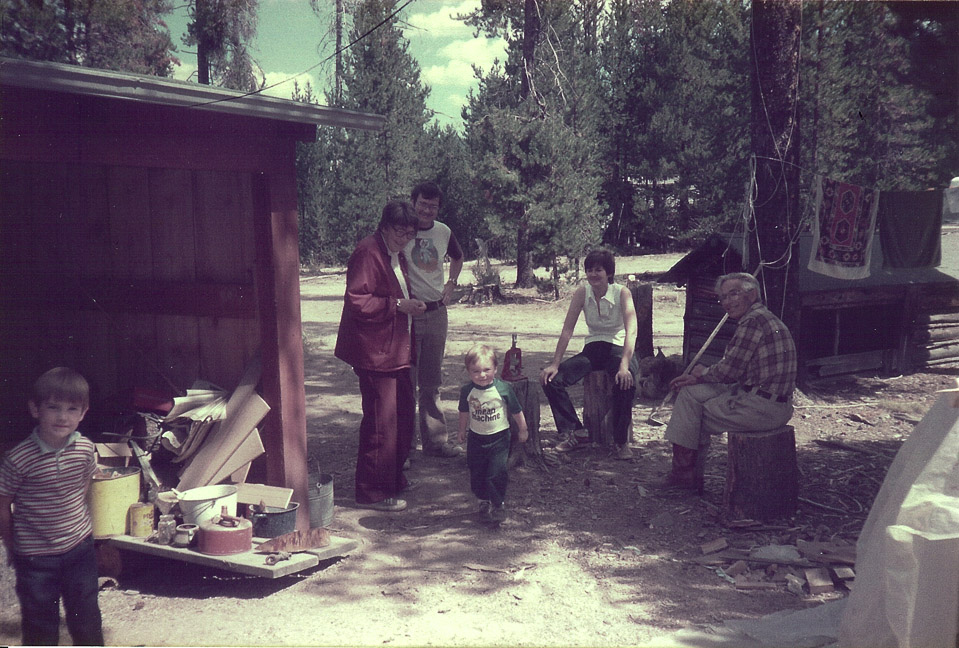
[598, 416]
[528, 395]
[762, 477]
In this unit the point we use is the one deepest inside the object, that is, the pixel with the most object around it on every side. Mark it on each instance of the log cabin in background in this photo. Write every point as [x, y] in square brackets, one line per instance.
[148, 238]
[896, 320]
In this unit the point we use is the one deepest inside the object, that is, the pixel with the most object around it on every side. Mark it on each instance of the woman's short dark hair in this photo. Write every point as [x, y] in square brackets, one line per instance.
[602, 258]
[398, 213]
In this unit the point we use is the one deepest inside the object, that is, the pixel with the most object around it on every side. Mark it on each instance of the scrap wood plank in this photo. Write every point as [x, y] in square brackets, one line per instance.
[239, 475]
[270, 495]
[223, 443]
[716, 545]
[818, 580]
[746, 584]
[733, 556]
[827, 552]
[230, 432]
[844, 573]
[250, 449]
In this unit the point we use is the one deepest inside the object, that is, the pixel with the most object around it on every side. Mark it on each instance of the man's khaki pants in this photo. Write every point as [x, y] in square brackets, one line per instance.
[430, 330]
[713, 408]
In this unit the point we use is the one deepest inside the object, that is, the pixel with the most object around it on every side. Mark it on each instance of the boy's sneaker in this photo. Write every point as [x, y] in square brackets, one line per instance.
[573, 442]
[484, 508]
[624, 452]
[498, 513]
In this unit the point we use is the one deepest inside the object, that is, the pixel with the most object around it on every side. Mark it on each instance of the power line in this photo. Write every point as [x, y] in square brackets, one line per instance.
[312, 67]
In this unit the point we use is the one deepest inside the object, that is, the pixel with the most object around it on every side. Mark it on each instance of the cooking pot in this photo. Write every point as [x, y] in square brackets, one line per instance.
[203, 503]
[225, 534]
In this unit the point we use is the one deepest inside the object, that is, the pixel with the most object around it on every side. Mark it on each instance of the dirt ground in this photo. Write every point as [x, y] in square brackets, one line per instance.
[591, 555]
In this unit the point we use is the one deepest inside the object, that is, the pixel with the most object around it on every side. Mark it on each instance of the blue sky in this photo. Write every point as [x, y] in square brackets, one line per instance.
[291, 39]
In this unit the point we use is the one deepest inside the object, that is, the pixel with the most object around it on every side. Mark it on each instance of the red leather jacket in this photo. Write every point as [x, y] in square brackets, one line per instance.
[373, 334]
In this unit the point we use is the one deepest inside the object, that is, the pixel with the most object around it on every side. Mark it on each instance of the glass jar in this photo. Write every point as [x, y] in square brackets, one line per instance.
[166, 529]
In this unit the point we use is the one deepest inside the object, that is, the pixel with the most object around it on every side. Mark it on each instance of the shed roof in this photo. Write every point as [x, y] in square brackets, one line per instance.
[74, 79]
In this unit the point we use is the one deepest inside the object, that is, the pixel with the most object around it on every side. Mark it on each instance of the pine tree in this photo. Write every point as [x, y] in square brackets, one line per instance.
[352, 174]
[220, 30]
[874, 124]
[105, 34]
[530, 140]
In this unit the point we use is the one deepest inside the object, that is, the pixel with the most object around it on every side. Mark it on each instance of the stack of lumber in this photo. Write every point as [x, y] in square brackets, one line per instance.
[213, 434]
[231, 441]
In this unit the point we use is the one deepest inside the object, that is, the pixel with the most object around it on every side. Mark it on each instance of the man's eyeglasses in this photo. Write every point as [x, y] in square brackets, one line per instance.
[404, 233]
[732, 294]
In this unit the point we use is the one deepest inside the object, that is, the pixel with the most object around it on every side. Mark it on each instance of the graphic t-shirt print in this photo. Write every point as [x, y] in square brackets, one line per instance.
[425, 255]
[486, 411]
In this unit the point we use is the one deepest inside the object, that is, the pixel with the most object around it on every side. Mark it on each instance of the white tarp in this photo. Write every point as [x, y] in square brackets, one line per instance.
[906, 593]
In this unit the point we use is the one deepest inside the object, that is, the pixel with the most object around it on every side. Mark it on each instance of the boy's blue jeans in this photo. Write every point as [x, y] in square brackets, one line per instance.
[487, 456]
[43, 580]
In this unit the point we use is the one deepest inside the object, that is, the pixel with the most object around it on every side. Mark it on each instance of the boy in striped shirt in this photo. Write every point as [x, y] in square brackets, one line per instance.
[44, 518]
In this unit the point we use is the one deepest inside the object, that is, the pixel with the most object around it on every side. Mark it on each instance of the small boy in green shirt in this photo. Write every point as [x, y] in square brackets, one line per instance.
[485, 405]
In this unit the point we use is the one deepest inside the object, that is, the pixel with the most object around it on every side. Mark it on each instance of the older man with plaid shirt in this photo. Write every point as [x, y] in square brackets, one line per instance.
[749, 389]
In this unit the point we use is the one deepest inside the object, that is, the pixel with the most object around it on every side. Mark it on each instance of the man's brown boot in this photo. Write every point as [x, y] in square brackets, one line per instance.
[683, 473]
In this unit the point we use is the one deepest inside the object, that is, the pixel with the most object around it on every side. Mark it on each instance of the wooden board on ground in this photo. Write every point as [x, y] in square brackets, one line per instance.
[248, 562]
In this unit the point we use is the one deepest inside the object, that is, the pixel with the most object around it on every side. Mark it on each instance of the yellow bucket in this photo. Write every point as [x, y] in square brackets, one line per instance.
[111, 495]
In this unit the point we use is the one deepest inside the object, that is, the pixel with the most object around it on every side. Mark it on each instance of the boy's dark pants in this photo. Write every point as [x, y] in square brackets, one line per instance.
[43, 580]
[486, 456]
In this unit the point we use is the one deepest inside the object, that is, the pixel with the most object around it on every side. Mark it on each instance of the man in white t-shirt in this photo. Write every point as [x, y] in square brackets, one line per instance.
[425, 256]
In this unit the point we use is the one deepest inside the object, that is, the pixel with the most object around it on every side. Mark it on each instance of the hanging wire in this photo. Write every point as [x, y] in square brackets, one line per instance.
[312, 67]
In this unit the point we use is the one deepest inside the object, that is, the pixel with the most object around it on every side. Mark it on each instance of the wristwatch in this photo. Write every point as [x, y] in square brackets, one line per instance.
[397, 304]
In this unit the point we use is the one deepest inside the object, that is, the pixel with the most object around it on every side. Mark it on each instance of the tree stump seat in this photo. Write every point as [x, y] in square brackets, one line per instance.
[598, 416]
[762, 475]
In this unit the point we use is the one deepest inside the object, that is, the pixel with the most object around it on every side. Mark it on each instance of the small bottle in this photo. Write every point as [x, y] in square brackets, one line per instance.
[166, 529]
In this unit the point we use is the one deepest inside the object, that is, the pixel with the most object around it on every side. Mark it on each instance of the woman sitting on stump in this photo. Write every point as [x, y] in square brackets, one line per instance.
[610, 341]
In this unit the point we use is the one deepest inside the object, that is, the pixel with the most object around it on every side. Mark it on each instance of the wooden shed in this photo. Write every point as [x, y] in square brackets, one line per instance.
[896, 320]
[148, 238]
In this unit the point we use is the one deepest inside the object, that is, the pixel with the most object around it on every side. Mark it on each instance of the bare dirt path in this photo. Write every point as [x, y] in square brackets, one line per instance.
[591, 555]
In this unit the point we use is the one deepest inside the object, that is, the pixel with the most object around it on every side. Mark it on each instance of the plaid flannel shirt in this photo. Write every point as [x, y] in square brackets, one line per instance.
[760, 354]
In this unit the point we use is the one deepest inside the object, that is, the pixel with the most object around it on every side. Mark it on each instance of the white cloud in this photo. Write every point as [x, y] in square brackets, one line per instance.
[481, 51]
[285, 81]
[441, 22]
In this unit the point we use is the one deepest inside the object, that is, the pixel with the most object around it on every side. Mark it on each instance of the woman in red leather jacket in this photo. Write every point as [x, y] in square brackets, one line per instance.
[375, 338]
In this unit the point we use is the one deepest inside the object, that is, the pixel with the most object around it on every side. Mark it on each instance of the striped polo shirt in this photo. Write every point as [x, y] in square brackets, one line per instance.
[49, 491]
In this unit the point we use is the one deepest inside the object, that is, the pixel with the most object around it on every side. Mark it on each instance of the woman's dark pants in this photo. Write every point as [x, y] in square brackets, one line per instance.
[595, 356]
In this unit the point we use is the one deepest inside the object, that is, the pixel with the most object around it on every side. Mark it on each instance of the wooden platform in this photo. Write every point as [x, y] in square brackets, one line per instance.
[249, 562]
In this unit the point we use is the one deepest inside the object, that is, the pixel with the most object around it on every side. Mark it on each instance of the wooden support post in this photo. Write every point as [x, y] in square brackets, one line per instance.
[762, 477]
[643, 302]
[598, 417]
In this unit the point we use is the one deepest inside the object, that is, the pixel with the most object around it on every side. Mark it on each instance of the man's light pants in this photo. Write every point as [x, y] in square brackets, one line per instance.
[713, 408]
[430, 334]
